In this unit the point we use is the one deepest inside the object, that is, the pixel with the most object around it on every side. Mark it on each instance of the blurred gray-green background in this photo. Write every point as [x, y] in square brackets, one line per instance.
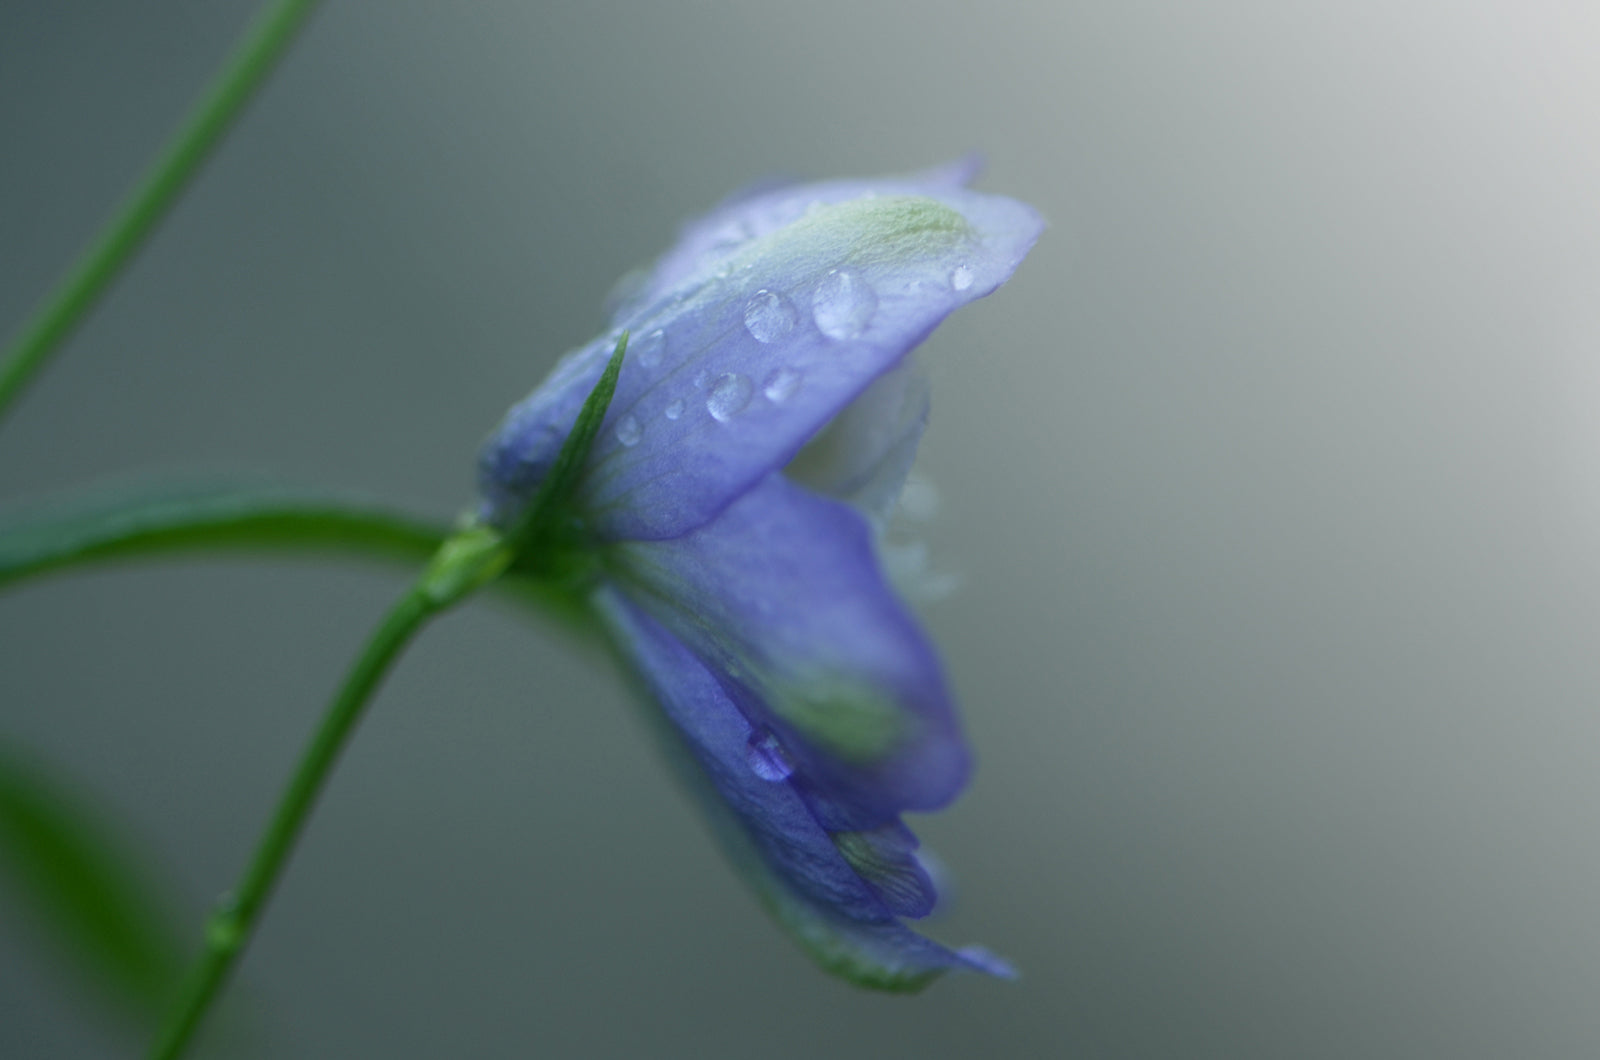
[1274, 478]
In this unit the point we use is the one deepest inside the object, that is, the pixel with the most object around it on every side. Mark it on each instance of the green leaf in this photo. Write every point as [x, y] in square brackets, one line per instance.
[549, 509]
[86, 891]
[124, 523]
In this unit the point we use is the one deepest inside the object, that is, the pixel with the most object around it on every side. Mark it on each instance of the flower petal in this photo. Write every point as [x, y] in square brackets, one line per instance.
[781, 595]
[798, 869]
[739, 357]
[708, 242]
[865, 454]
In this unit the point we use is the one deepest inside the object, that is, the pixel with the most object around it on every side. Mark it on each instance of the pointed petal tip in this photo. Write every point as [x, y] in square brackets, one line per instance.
[978, 959]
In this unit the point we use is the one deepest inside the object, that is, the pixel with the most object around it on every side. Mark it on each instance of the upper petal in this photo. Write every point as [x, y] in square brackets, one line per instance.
[739, 357]
[782, 596]
[815, 883]
[709, 242]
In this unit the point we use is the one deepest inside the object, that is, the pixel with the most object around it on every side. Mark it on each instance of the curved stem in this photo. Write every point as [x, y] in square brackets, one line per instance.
[104, 525]
[234, 919]
[263, 45]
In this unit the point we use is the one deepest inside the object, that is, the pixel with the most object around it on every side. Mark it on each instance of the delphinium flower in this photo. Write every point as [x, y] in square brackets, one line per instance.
[724, 530]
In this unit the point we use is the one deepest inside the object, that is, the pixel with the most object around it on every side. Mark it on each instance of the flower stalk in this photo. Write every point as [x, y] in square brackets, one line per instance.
[264, 43]
[463, 564]
[468, 560]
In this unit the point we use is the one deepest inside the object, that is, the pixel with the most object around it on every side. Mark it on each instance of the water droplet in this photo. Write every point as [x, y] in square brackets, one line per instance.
[961, 277]
[729, 235]
[843, 305]
[673, 411]
[629, 431]
[781, 385]
[650, 348]
[766, 757]
[769, 316]
[729, 396]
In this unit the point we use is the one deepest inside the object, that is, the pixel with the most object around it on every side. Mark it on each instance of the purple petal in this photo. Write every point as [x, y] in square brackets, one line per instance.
[782, 596]
[886, 859]
[767, 828]
[740, 354]
[757, 211]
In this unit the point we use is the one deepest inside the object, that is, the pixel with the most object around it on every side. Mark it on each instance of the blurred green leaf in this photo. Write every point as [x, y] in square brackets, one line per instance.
[113, 524]
[83, 888]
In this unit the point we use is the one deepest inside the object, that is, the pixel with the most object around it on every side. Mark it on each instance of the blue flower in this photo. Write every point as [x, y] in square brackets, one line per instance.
[724, 531]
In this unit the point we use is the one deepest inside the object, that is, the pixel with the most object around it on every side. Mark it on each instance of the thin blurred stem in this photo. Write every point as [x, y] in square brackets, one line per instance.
[233, 921]
[264, 43]
[466, 562]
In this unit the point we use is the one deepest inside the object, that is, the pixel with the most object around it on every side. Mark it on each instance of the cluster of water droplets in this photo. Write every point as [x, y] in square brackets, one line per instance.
[843, 306]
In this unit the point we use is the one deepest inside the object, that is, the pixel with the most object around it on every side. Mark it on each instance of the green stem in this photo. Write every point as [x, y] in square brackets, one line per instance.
[263, 45]
[463, 564]
[232, 922]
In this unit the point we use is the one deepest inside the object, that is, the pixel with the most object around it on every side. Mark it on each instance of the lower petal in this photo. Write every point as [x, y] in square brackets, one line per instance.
[799, 870]
[783, 597]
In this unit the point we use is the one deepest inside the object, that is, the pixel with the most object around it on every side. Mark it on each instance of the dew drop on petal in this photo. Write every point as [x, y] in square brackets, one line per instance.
[843, 305]
[729, 396]
[731, 234]
[650, 348]
[769, 316]
[781, 385]
[673, 411]
[766, 757]
[629, 431]
[961, 277]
